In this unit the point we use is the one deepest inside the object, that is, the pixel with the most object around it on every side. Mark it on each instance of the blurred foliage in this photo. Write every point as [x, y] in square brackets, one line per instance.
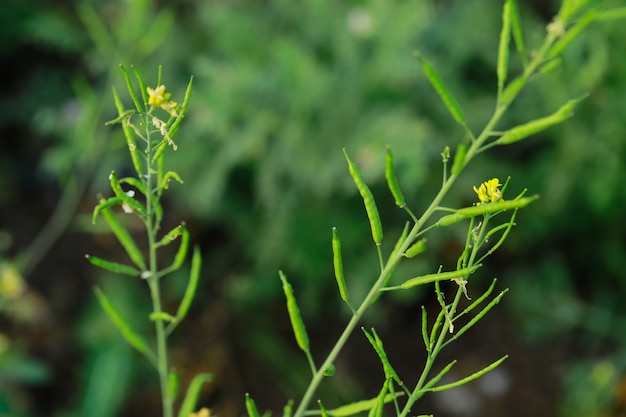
[280, 88]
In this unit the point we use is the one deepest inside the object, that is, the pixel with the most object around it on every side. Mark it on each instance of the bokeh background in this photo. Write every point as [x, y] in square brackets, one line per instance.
[280, 88]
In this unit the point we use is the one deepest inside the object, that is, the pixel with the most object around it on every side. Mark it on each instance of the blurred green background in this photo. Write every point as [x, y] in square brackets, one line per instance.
[280, 88]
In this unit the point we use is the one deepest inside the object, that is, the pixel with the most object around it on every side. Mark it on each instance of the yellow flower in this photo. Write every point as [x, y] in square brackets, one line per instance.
[158, 96]
[204, 412]
[489, 191]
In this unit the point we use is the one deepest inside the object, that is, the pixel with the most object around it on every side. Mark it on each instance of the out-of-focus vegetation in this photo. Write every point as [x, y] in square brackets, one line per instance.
[280, 88]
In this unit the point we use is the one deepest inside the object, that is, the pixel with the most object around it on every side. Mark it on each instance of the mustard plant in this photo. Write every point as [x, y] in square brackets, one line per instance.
[149, 129]
[488, 223]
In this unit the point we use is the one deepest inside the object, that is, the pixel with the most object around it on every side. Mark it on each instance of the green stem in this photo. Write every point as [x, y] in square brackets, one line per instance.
[395, 258]
[154, 282]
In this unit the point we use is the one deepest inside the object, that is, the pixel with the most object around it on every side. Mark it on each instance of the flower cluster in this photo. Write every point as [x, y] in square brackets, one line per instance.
[158, 97]
[489, 191]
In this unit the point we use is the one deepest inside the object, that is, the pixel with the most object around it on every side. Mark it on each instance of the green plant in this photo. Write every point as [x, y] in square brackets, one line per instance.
[483, 236]
[148, 137]
[486, 231]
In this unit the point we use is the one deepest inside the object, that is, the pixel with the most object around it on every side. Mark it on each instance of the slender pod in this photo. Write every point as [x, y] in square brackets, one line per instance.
[425, 279]
[131, 90]
[440, 375]
[338, 266]
[442, 90]
[193, 393]
[132, 337]
[470, 378]
[294, 315]
[503, 48]
[183, 110]
[459, 159]
[361, 406]
[323, 411]
[251, 407]
[415, 249]
[486, 208]
[130, 138]
[368, 200]
[190, 291]
[392, 180]
[520, 132]
[113, 266]
[518, 34]
[124, 238]
[425, 329]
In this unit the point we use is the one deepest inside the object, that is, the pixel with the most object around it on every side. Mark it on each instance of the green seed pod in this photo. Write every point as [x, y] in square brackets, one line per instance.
[503, 48]
[251, 407]
[467, 212]
[520, 132]
[338, 266]
[442, 90]
[173, 385]
[425, 279]
[512, 90]
[323, 410]
[459, 159]
[368, 200]
[415, 249]
[124, 238]
[113, 266]
[294, 315]
[392, 180]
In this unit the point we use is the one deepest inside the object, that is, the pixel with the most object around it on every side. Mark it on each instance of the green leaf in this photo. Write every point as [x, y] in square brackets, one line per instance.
[132, 337]
[193, 392]
[442, 90]
[113, 266]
